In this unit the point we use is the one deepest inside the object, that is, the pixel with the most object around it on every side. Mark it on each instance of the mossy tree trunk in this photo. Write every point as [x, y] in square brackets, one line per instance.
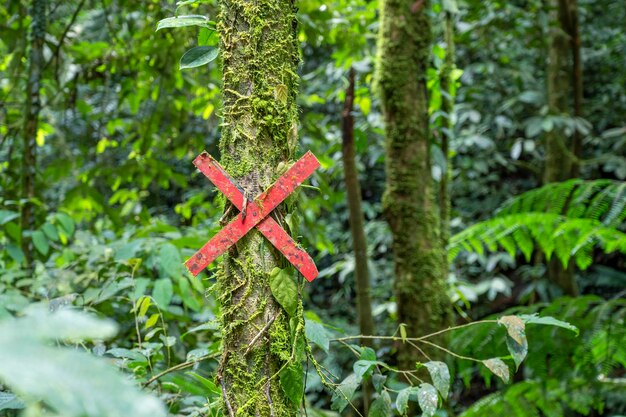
[359, 242]
[262, 344]
[408, 202]
[564, 87]
[32, 109]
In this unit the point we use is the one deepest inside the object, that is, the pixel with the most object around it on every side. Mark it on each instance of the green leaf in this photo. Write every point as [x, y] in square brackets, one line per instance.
[428, 399]
[9, 401]
[344, 392]
[550, 321]
[152, 320]
[71, 382]
[16, 253]
[50, 231]
[362, 367]
[378, 381]
[170, 260]
[402, 400]
[292, 382]
[381, 407]
[316, 333]
[516, 338]
[403, 332]
[450, 6]
[280, 93]
[499, 368]
[163, 292]
[127, 354]
[143, 306]
[440, 374]
[67, 223]
[197, 56]
[210, 385]
[41, 242]
[6, 216]
[284, 290]
[183, 21]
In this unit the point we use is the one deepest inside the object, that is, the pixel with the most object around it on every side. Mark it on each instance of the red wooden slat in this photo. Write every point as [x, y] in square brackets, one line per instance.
[268, 226]
[257, 211]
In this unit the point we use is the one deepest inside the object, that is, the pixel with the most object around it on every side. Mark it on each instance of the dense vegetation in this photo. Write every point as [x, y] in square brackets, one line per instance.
[471, 253]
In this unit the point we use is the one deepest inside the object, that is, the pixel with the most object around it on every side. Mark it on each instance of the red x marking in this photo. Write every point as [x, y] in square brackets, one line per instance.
[257, 214]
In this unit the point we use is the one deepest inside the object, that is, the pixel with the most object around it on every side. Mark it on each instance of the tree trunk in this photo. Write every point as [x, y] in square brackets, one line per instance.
[564, 85]
[359, 242]
[408, 201]
[32, 109]
[260, 372]
[447, 107]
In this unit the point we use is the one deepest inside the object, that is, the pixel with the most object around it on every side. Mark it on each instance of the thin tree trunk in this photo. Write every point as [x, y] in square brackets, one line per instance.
[32, 109]
[408, 201]
[447, 106]
[261, 371]
[359, 242]
[564, 85]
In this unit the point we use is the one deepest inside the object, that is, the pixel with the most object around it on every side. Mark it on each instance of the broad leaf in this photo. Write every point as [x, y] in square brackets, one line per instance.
[6, 216]
[41, 242]
[381, 407]
[362, 367]
[499, 368]
[344, 392]
[198, 56]
[440, 374]
[170, 260]
[516, 338]
[33, 369]
[428, 399]
[550, 321]
[316, 333]
[284, 290]
[292, 382]
[163, 292]
[183, 21]
[402, 400]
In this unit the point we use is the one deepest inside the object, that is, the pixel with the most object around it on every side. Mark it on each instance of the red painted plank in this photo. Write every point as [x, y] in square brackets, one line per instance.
[268, 226]
[256, 212]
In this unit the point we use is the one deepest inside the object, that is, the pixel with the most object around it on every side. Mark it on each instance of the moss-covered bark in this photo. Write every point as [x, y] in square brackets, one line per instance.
[261, 343]
[564, 86]
[404, 46]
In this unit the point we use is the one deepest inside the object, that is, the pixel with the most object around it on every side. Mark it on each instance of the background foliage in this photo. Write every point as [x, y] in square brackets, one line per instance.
[118, 208]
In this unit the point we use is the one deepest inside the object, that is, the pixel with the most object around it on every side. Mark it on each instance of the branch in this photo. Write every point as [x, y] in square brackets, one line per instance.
[178, 367]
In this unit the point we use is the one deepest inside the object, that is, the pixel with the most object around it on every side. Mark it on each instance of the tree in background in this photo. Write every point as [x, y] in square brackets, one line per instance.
[564, 90]
[359, 241]
[408, 202]
[32, 108]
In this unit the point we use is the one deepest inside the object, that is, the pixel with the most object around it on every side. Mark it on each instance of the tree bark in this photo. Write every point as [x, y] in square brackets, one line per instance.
[564, 86]
[447, 107]
[262, 345]
[359, 242]
[32, 108]
[408, 201]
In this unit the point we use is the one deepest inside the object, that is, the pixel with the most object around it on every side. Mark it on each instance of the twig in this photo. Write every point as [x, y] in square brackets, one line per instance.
[269, 399]
[413, 339]
[259, 334]
[177, 367]
[449, 352]
[225, 395]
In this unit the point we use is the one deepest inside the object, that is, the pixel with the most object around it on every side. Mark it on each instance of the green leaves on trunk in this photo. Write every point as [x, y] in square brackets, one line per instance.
[292, 382]
[284, 290]
[198, 56]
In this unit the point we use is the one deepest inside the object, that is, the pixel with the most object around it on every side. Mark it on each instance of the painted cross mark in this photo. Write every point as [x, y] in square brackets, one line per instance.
[256, 214]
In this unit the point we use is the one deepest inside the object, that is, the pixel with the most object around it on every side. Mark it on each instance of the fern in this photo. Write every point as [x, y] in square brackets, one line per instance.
[566, 219]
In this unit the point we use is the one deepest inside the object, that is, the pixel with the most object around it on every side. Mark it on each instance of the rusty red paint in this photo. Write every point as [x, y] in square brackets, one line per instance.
[257, 215]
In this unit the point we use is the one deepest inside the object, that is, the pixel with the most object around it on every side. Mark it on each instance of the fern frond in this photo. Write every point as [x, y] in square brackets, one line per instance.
[551, 233]
[603, 200]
